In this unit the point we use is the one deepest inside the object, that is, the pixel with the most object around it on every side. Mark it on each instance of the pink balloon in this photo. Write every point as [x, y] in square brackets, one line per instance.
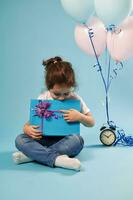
[99, 38]
[120, 42]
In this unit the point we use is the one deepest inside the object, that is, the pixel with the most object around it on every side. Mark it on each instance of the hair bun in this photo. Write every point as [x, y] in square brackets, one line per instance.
[51, 61]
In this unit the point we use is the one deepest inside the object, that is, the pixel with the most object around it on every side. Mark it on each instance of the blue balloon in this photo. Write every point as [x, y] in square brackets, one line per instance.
[80, 10]
[113, 11]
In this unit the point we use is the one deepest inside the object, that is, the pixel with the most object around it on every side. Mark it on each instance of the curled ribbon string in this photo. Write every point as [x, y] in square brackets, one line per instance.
[91, 34]
[118, 66]
[96, 65]
[122, 139]
[111, 28]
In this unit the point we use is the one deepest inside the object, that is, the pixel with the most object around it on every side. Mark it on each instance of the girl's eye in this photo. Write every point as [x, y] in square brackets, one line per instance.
[57, 94]
[66, 94]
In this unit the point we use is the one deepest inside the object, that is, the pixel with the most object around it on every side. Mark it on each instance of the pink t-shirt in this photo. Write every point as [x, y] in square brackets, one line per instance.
[84, 109]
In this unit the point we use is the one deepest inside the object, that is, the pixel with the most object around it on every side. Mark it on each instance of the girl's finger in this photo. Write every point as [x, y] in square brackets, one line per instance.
[37, 134]
[65, 115]
[64, 111]
[38, 131]
[34, 126]
[66, 118]
[36, 137]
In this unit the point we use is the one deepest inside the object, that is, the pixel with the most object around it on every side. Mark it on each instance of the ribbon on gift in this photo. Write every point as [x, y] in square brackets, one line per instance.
[41, 110]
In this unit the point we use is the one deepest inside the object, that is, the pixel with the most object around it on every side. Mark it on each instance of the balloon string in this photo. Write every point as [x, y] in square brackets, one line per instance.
[108, 77]
[98, 63]
[106, 86]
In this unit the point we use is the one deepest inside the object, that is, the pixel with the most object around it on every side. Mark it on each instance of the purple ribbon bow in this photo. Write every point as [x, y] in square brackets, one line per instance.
[41, 110]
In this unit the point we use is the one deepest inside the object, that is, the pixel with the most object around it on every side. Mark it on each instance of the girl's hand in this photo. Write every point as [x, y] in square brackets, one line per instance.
[71, 115]
[32, 131]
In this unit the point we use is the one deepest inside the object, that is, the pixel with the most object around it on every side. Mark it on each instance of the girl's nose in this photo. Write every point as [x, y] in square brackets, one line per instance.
[61, 97]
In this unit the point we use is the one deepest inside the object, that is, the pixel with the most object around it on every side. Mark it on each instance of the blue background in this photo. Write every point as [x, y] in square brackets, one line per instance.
[31, 31]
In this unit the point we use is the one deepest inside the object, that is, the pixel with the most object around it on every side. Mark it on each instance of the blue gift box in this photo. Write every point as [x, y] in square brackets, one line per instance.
[45, 113]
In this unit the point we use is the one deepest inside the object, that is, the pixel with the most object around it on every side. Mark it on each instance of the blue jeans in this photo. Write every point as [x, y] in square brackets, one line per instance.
[46, 150]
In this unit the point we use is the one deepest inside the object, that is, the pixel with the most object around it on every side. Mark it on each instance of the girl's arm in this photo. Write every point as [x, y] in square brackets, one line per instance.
[74, 115]
[87, 120]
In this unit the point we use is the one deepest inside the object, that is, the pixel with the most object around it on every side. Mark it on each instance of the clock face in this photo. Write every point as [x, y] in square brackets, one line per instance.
[107, 137]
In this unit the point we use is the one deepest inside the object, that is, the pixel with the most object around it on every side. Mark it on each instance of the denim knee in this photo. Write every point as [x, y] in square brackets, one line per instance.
[78, 144]
[19, 141]
[79, 139]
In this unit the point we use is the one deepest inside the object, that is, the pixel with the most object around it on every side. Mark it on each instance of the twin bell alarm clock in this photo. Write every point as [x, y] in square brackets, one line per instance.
[107, 135]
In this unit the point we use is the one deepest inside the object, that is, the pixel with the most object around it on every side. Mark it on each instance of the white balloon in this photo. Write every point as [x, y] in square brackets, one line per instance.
[113, 11]
[78, 9]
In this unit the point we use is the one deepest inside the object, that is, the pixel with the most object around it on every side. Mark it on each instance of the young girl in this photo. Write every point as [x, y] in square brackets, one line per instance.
[55, 151]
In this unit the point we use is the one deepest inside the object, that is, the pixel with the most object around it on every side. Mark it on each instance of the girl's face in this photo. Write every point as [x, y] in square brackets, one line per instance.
[61, 92]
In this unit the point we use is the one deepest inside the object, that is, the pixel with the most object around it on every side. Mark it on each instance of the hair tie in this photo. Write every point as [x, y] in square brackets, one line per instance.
[55, 61]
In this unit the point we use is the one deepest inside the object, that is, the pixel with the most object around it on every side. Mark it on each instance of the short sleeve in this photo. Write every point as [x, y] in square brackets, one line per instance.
[84, 107]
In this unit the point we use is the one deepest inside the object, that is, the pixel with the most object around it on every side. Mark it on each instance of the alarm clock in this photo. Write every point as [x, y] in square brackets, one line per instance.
[107, 135]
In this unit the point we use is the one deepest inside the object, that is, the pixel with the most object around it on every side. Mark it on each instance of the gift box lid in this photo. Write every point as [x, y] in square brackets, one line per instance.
[45, 113]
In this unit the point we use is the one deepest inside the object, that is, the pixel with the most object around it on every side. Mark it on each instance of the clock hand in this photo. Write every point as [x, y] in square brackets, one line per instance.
[106, 136]
[109, 135]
